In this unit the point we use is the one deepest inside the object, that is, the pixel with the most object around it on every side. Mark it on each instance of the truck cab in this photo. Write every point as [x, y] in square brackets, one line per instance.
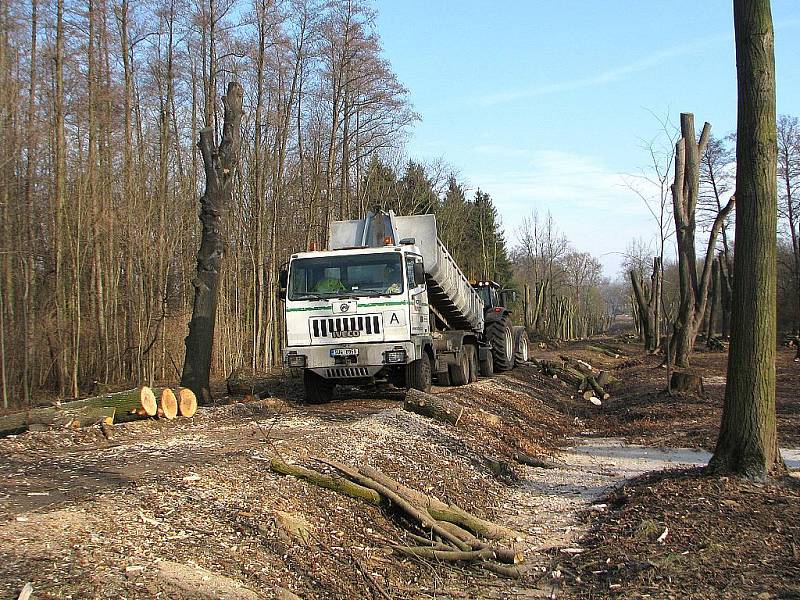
[358, 316]
[387, 303]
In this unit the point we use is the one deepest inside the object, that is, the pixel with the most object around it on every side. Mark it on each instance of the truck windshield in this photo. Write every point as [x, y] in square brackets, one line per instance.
[346, 275]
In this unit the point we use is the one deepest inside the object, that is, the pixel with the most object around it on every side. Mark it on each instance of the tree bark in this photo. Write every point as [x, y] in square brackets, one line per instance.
[128, 405]
[220, 165]
[748, 441]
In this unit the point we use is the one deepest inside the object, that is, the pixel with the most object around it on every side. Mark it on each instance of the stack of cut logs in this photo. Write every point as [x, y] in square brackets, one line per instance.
[589, 382]
[119, 407]
[438, 531]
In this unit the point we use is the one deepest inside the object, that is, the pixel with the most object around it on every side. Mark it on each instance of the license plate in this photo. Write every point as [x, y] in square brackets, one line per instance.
[344, 352]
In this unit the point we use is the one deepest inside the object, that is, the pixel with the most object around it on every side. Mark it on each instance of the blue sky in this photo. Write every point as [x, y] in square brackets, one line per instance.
[546, 105]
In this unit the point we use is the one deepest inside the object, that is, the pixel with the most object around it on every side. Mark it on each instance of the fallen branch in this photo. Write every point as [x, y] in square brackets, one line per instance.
[444, 555]
[337, 484]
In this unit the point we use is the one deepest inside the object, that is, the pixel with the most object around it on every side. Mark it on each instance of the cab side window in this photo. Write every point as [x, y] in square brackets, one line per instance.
[410, 273]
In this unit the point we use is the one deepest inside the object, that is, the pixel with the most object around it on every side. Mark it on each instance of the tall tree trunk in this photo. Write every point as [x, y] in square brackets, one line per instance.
[748, 441]
[59, 192]
[220, 165]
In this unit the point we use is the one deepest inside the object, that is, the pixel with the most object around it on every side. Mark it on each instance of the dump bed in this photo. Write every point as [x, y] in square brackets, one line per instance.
[449, 292]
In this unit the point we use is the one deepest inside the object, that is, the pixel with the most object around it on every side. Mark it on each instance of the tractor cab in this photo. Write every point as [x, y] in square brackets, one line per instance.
[492, 294]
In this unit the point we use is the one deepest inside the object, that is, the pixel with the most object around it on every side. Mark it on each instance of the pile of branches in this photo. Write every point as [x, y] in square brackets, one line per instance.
[590, 383]
[442, 532]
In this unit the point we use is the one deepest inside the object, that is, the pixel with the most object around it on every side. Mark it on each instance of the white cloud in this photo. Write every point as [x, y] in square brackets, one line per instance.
[607, 76]
[589, 202]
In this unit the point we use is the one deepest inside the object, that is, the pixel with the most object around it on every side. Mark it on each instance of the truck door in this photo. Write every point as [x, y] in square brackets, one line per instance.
[419, 316]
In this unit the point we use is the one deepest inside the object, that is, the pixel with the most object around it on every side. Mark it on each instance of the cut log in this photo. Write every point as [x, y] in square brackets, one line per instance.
[687, 382]
[607, 349]
[187, 402]
[435, 407]
[532, 461]
[606, 379]
[582, 367]
[126, 405]
[169, 404]
[597, 388]
[613, 353]
[86, 416]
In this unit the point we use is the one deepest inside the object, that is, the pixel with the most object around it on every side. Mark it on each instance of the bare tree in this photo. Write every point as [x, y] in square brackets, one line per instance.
[220, 164]
[748, 441]
[789, 193]
[685, 194]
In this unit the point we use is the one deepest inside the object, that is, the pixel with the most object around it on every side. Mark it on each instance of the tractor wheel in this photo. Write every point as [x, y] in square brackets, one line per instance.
[501, 337]
[520, 345]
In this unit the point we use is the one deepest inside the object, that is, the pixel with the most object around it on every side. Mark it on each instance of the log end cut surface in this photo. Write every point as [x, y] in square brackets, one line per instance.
[169, 403]
[148, 401]
[187, 402]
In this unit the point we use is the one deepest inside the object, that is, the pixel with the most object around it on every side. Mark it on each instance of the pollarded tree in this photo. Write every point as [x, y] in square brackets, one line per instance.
[221, 163]
[685, 195]
[748, 441]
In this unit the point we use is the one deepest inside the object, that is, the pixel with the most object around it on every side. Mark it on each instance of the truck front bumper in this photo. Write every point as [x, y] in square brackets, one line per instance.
[370, 359]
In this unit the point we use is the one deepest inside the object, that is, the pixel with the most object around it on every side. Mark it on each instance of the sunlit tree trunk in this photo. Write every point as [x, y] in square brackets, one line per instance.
[748, 441]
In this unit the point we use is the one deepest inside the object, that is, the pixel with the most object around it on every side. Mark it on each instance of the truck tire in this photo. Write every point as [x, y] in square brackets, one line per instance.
[318, 390]
[472, 359]
[459, 372]
[419, 374]
[486, 366]
[520, 345]
[501, 337]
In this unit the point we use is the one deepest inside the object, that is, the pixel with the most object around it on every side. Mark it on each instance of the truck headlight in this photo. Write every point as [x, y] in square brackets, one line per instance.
[296, 360]
[396, 356]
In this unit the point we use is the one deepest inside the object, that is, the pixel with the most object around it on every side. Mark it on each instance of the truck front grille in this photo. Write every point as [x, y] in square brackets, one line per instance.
[345, 327]
[347, 372]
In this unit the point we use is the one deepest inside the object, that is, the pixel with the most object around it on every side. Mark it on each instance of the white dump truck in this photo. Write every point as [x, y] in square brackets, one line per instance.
[388, 304]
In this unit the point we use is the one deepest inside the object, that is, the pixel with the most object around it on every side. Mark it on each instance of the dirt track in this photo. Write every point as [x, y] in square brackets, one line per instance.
[135, 516]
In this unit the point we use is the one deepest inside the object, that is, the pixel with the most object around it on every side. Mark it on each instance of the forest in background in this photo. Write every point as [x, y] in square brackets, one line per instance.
[101, 103]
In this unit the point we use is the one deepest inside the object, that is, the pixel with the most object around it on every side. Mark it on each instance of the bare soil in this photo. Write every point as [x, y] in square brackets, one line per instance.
[164, 505]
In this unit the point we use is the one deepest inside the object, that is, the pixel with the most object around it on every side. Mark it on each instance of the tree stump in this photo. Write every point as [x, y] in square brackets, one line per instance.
[687, 382]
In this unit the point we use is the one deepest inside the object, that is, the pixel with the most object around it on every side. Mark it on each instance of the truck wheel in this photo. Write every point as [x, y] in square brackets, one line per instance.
[419, 374]
[318, 390]
[501, 338]
[472, 358]
[520, 345]
[459, 372]
[443, 378]
[487, 365]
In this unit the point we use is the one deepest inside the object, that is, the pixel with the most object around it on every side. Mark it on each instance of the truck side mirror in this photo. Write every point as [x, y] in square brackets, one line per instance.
[419, 273]
[283, 279]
